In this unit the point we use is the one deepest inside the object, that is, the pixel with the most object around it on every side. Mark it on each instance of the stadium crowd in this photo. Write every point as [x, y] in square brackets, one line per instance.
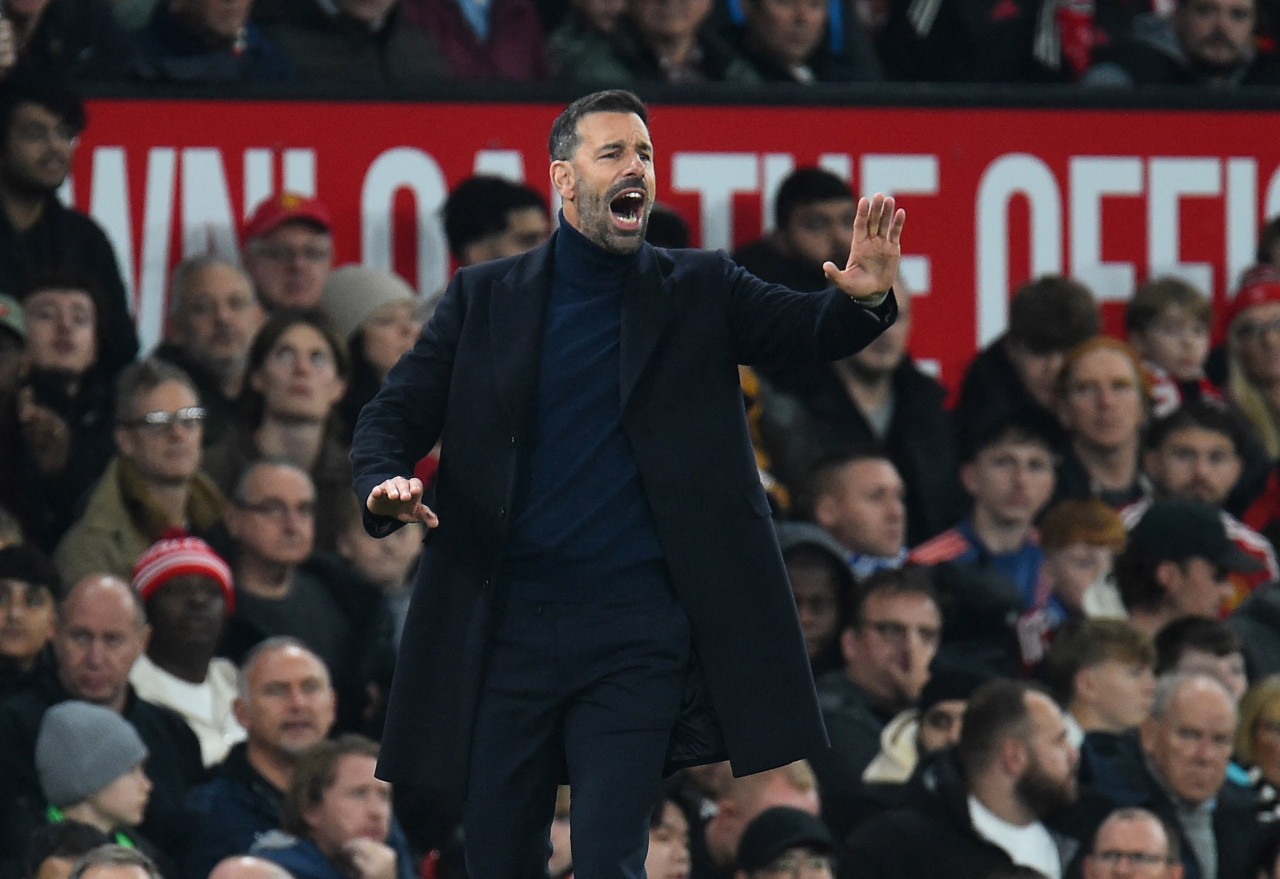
[1044, 622]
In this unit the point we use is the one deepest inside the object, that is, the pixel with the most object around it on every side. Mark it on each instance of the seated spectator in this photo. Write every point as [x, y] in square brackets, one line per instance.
[489, 217]
[1204, 646]
[1168, 322]
[783, 840]
[1134, 841]
[58, 442]
[813, 222]
[186, 589]
[90, 763]
[352, 42]
[338, 816]
[54, 848]
[931, 726]
[821, 583]
[1101, 671]
[713, 846]
[1016, 376]
[981, 807]
[1186, 746]
[585, 21]
[281, 590]
[386, 563]
[858, 498]
[892, 633]
[1197, 453]
[1252, 318]
[1009, 476]
[100, 632]
[376, 314]
[213, 317]
[657, 44]
[29, 591]
[63, 39]
[1207, 43]
[1103, 404]
[287, 249]
[668, 855]
[1178, 562]
[40, 126]
[207, 41]
[295, 377]
[877, 396]
[115, 862]
[286, 705]
[786, 41]
[1080, 540]
[1257, 745]
[501, 40]
[153, 486]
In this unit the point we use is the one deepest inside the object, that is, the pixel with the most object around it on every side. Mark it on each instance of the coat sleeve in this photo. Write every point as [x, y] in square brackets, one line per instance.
[400, 425]
[770, 323]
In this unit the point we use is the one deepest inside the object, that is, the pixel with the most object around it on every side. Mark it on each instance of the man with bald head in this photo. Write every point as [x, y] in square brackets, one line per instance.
[248, 867]
[286, 704]
[1181, 776]
[100, 631]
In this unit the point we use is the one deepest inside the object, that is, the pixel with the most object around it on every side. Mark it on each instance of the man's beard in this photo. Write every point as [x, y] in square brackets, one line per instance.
[1042, 794]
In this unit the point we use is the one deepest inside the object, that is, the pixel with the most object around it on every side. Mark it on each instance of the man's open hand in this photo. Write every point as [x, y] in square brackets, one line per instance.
[874, 253]
[401, 498]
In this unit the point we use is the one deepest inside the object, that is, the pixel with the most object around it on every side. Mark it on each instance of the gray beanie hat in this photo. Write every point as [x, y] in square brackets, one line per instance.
[353, 293]
[81, 748]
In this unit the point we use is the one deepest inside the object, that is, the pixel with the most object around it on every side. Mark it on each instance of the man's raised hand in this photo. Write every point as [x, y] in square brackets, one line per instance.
[874, 253]
[401, 498]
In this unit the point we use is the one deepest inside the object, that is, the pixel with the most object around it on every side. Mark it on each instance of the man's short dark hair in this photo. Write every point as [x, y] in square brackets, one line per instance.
[1052, 314]
[1157, 294]
[27, 564]
[1214, 637]
[143, 377]
[824, 473]
[50, 93]
[1201, 414]
[315, 773]
[997, 710]
[1087, 643]
[907, 580]
[563, 142]
[69, 840]
[1016, 431]
[480, 206]
[804, 187]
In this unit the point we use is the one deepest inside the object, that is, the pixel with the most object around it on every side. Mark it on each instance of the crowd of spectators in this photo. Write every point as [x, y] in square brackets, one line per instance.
[1044, 622]
[371, 44]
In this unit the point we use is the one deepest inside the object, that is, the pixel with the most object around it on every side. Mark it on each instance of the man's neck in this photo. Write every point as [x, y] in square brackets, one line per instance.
[675, 51]
[869, 393]
[190, 665]
[23, 210]
[272, 764]
[997, 796]
[264, 579]
[1092, 720]
[1114, 468]
[1151, 620]
[294, 440]
[170, 498]
[86, 813]
[999, 538]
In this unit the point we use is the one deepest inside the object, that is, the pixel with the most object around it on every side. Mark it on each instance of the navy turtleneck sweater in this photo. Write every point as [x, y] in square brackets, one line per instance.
[582, 528]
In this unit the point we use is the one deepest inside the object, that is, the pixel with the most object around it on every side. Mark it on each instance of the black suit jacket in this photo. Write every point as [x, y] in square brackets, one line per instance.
[688, 319]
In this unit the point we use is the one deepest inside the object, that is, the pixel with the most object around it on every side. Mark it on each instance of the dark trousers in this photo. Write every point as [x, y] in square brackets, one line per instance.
[590, 688]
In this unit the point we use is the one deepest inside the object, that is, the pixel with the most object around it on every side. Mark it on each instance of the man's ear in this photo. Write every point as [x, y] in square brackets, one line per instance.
[563, 178]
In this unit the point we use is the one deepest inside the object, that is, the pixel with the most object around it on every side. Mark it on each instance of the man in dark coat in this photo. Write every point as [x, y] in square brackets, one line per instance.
[601, 521]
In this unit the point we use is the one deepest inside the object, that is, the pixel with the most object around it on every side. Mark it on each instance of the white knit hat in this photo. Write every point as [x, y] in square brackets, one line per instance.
[354, 292]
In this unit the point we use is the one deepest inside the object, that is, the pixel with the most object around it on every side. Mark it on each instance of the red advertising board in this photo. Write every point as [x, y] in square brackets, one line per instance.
[993, 196]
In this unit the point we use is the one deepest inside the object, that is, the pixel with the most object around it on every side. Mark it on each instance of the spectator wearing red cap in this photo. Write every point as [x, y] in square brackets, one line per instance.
[1253, 352]
[287, 248]
[186, 589]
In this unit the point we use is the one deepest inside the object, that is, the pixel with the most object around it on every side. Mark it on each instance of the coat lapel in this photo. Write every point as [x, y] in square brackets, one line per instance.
[516, 310]
[647, 306]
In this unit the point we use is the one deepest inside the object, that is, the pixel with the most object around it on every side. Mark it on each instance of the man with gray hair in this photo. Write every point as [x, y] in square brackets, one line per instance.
[286, 704]
[213, 317]
[1181, 774]
[114, 862]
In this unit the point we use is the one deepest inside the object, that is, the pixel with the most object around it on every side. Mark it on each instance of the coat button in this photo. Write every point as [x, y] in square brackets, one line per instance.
[513, 440]
[502, 512]
[486, 583]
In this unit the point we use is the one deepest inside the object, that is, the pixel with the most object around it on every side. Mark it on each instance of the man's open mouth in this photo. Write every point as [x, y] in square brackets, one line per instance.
[627, 208]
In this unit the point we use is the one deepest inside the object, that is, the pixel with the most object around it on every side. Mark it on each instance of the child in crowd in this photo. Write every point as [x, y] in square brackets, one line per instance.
[1168, 321]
